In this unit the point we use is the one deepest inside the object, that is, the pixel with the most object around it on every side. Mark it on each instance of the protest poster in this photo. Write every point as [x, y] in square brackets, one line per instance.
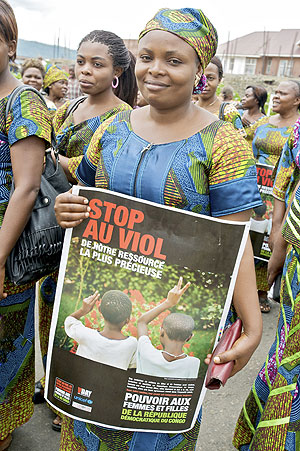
[261, 223]
[140, 249]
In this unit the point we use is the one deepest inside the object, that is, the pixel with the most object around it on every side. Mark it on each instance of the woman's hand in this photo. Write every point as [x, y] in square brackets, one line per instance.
[277, 259]
[2, 277]
[277, 219]
[272, 239]
[240, 352]
[71, 210]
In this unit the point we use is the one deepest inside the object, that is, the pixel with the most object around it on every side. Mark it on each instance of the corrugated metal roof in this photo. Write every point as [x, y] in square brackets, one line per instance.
[264, 43]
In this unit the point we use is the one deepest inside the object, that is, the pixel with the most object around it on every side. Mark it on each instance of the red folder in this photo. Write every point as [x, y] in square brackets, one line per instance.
[217, 374]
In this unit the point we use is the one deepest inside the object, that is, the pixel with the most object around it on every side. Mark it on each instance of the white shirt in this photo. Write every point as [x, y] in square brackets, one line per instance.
[151, 361]
[92, 345]
[51, 105]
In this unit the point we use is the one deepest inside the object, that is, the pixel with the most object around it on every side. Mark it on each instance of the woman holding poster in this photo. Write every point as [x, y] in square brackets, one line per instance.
[174, 153]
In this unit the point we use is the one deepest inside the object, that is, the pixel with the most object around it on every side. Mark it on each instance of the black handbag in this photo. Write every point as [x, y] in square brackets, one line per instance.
[38, 249]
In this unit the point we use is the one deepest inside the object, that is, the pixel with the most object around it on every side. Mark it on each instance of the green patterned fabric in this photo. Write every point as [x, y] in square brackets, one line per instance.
[270, 418]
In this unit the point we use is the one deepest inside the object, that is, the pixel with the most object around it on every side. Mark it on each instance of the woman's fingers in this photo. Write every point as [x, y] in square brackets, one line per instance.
[69, 219]
[207, 359]
[3, 295]
[71, 210]
[240, 353]
[71, 198]
[271, 277]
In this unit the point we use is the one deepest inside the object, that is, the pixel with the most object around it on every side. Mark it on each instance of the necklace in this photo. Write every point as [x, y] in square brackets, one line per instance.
[212, 103]
[173, 355]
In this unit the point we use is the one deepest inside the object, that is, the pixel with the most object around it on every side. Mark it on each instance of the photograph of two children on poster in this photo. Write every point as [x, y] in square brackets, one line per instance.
[143, 293]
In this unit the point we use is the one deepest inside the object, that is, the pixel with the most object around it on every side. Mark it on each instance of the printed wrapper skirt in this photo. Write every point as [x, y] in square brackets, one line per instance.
[79, 436]
[16, 358]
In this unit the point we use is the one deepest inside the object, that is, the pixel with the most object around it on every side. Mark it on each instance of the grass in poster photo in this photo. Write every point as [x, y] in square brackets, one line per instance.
[203, 301]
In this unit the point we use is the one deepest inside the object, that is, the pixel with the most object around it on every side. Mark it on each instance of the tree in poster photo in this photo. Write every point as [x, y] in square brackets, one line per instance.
[176, 330]
[109, 346]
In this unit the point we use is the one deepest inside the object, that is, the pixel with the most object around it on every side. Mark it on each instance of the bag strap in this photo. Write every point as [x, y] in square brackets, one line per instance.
[222, 110]
[73, 105]
[13, 97]
[17, 92]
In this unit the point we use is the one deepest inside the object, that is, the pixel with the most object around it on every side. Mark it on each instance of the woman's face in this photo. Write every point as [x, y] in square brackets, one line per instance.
[286, 98]
[33, 77]
[165, 69]
[249, 100]
[140, 101]
[212, 75]
[59, 89]
[94, 68]
[6, 52]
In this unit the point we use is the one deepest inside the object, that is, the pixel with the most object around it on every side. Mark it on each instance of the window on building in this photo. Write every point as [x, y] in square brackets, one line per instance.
[250, 66]
[269, 63]
[285, 68]
[231, 64]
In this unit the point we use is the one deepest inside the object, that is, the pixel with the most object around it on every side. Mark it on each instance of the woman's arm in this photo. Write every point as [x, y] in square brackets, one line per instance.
[245, 300]
[277, 218]
[27, 157]
[277, 259]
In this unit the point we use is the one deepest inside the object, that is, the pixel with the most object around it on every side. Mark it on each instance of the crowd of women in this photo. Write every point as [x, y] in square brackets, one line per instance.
[210, 170]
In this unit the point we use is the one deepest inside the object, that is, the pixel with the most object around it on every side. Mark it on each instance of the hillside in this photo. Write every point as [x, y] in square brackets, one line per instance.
[35, 49]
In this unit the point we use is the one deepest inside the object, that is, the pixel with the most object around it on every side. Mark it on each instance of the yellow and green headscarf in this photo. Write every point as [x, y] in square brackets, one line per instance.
[53, 74]
[192, 26]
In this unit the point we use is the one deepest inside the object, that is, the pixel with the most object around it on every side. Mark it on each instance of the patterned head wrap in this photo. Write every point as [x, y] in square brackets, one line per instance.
[192, 26]
[53, 73]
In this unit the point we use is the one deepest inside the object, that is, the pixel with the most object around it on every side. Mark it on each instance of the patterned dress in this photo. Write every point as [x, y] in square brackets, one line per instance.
[232, 115]
[267, 144]
[29, 117]
[270, 419]
[212, 173]
[287, 173]
[267, 140]
[73, 141]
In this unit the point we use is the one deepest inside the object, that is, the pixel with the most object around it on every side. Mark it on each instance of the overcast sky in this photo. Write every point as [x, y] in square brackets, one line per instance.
[44, 20]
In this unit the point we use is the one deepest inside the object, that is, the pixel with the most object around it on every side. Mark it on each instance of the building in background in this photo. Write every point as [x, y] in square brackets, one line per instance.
[273, 53]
